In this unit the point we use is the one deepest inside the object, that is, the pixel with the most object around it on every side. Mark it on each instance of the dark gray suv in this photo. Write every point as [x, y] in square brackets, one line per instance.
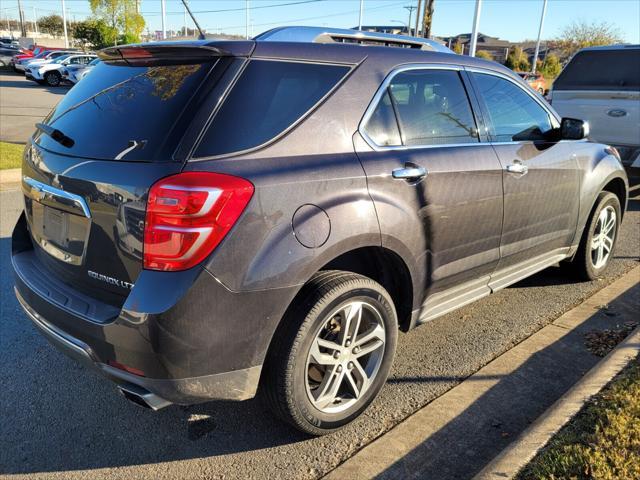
[207, 219]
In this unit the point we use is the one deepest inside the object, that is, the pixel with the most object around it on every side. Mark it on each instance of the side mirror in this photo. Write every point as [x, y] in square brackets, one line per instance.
[573, 129]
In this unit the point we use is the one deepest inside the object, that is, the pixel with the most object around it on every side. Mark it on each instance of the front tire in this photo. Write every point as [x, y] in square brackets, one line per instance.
[52, 79]
[332, 353]
[599, 238]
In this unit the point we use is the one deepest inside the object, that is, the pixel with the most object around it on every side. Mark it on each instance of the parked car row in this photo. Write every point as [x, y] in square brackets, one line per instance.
[48, 66]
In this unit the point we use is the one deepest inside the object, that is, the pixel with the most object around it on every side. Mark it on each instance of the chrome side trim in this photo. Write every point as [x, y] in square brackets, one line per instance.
[42, 193]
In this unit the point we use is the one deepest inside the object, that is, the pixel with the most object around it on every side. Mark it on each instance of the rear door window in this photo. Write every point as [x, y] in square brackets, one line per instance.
[268, 98]
[431, 106]
[601, 70]
[124, 112]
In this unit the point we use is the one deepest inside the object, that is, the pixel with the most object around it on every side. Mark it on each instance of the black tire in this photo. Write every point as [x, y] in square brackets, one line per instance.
[52, 79]
[583, 264]
[287, 373]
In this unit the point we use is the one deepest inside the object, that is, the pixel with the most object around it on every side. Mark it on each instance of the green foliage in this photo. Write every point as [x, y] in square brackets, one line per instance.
[517, 61]
[581, 34]
[10, 155]
[120, 16]
[94, 33]
[601, 442]
[51, 24]
[551, 66]
[484, 55]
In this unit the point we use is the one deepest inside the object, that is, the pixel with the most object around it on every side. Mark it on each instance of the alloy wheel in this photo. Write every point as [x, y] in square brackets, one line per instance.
[345, 356]
[603, 237]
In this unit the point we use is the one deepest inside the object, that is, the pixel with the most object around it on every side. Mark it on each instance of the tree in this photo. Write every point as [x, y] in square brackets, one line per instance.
[458, 48]
[551, 66]
[484, 54]
[121, 16]
[518, 61]
[94, 33]
[51, 24]
[581, 34]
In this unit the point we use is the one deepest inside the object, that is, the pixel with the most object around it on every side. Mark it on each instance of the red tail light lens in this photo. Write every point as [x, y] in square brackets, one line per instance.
[188, 215]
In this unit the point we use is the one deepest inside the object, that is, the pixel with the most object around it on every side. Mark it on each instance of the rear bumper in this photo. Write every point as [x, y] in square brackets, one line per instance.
[236, 385]
[193, 339]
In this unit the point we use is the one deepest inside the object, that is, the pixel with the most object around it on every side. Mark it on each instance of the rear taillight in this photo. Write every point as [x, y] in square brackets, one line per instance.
[188, 215]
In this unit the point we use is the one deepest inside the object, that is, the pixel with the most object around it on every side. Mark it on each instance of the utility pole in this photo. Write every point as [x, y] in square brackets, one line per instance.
[184, 19]
[64, 24]
[164, 20]
[427, 18]
[474, 32]
[416, 31]
[246, 19]
[23, 27]
[35, 21]
[535, 55]
[411, 8]
[360, 16]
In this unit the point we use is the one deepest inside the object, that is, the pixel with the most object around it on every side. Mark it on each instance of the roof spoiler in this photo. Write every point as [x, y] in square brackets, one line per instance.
[165, 53]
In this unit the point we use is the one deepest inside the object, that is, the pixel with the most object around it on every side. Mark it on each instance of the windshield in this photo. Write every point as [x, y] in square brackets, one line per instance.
[95, 61]
[124, 112]
[61, 59]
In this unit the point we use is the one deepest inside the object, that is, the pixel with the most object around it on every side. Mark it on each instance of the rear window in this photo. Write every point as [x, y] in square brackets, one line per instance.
[601, 70]
[123, 112]
[268, 98]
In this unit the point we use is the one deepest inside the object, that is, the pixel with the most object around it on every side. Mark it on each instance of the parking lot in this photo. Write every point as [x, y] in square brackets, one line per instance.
[61, 420]
[23, 103]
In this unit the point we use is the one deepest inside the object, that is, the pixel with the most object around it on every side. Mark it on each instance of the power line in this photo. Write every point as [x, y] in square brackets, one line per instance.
[299, 2]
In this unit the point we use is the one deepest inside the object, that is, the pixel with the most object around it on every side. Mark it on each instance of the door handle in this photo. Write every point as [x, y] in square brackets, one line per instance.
[517, 167]
[409, 172]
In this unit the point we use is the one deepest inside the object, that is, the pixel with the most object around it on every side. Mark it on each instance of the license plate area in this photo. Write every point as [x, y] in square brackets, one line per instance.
[61, 232]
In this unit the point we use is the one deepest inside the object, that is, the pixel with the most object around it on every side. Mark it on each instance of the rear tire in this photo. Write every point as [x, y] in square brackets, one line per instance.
[52, 79]
[332, 353]
[599, 238]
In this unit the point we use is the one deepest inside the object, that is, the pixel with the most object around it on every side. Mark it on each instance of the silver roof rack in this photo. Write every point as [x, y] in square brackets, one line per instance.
[343, 35]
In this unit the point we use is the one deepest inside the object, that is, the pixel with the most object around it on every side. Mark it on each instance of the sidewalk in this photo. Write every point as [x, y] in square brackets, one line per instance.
[459, 433]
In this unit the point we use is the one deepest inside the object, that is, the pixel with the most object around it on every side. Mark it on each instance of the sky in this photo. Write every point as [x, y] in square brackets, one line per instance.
[513, 20]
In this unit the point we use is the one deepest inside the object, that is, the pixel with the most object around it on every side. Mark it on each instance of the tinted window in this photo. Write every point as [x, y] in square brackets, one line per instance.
[514, 115]
[432, 108]
[382, 126]
[107, 112]
[602, 70]
[269, 97]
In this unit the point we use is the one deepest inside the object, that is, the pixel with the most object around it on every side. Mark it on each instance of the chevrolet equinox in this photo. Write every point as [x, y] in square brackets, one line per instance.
[206, 219]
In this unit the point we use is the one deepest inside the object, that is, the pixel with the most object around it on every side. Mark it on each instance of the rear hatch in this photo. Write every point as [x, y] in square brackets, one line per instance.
[602, 86]
[90, 164]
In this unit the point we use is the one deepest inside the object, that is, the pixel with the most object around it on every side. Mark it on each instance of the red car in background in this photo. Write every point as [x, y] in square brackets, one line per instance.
[535, 81]
[32, 52]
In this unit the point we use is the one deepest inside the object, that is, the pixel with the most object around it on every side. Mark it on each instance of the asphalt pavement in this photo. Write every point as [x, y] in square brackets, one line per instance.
[61, 420]
[23, 103]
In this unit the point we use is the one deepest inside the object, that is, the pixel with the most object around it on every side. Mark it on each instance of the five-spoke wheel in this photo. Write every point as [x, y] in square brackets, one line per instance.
[333, 352]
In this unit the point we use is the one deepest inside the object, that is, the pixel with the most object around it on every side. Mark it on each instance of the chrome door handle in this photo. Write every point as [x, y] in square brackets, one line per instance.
[409, 172]
[517, 168]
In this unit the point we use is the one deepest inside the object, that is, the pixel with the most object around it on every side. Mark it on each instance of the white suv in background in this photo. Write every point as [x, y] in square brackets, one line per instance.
[51, 73]
[602, 86]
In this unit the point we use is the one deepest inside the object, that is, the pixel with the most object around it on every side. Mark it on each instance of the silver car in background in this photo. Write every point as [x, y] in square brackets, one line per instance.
[75, 73]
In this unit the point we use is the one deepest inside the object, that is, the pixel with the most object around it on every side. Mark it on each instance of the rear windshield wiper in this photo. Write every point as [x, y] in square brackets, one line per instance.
[56, 134]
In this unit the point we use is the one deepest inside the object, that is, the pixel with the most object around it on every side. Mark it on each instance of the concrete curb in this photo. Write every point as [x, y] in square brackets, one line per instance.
[392, 455]
[517, 455]
[10, 175]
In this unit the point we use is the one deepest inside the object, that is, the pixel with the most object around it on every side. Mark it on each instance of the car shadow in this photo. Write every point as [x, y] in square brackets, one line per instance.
[28, 84]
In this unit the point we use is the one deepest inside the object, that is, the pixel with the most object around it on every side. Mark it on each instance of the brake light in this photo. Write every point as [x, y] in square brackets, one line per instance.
[188, 215]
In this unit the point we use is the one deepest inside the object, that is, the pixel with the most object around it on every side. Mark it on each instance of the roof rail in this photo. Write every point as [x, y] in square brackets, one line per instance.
[343, 35]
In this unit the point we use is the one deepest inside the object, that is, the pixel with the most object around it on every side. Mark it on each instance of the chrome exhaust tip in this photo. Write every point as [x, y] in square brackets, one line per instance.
[143, 398]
